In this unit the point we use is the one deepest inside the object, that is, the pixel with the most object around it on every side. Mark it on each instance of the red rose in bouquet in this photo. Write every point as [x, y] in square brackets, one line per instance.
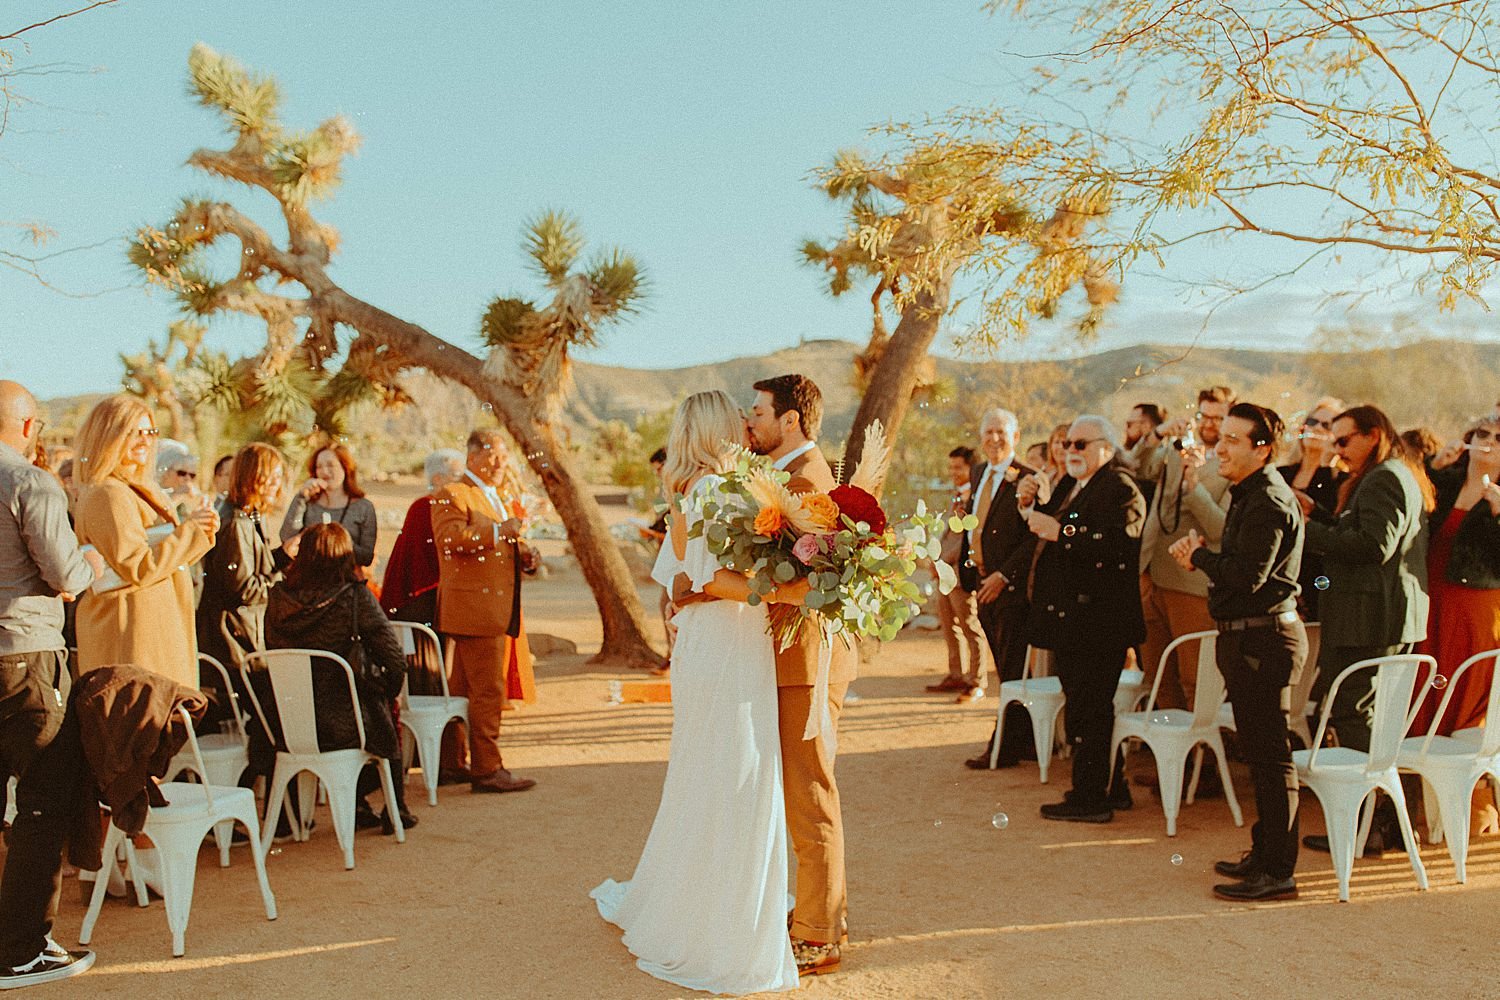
[858, 505]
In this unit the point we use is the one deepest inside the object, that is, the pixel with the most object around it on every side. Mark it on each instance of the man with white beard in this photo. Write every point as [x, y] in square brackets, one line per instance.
[1085, 605]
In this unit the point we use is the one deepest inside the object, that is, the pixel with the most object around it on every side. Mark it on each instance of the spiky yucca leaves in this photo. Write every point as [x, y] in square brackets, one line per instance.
[249, 103]
[530, 344]
[309, 165]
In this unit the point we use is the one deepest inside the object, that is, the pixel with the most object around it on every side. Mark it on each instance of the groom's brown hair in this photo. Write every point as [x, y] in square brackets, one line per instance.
[798, 393]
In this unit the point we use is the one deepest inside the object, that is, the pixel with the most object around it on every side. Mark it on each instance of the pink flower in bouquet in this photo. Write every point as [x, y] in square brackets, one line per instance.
[806, 548]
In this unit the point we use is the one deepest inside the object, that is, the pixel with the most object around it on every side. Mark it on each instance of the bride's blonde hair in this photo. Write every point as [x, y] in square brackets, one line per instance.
[704, 432]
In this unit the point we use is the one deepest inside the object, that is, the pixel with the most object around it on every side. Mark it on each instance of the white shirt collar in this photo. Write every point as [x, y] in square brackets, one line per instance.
[791, 456]
[490, 492]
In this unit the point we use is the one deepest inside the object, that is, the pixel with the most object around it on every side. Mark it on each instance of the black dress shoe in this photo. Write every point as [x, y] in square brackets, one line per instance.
[982, 762]
[1120, 799]
[1246, 866]
[1070, 811]
[1375, 845]
[1258, 888]
[947, 684]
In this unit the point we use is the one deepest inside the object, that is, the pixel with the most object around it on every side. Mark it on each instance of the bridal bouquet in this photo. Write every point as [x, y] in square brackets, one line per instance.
[857, 560]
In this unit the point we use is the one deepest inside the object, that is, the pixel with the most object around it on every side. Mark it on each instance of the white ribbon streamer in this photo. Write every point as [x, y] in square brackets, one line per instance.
[819, 718]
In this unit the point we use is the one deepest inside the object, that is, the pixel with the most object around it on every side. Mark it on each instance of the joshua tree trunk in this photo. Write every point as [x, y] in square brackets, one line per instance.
[895, 376]
[598, 555]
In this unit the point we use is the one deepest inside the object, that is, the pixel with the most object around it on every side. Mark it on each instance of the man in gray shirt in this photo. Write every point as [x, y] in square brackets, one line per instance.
[41, 565]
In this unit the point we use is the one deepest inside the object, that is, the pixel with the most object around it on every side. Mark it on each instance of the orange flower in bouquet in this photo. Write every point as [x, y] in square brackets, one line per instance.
[820, 513]
[769, 522]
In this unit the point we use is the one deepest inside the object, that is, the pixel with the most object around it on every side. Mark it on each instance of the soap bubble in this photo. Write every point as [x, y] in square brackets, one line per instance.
[1439, 682]
[1000, 821]
[1177, 859]
[275, 851]
[937, 822]
[1321, 583]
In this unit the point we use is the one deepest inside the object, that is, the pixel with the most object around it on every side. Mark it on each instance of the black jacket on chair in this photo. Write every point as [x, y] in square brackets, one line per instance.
[1004, 539]
[1086, 591]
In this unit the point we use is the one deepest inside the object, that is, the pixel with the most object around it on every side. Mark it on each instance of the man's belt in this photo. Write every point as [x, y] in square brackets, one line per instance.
[1259, 621]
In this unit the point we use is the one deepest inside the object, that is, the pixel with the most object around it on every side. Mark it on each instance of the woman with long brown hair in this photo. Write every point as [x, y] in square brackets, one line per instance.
[147, 618]
[1374, 549]
[240, 571]
[332, 494]
[1316, 472]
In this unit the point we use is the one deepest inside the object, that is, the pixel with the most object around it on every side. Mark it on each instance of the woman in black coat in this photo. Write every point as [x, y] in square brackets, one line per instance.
[322, 604]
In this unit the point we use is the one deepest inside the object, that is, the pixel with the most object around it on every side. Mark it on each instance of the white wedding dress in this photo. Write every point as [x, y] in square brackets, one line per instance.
[707, 906]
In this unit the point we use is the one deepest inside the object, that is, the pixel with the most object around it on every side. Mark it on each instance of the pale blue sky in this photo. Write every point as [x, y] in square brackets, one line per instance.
[684, 132]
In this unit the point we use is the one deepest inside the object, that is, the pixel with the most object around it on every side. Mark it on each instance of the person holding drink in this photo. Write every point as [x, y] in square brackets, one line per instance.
[332, 495]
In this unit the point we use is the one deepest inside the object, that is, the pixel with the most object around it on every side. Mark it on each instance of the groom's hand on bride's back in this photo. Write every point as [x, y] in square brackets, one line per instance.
[683, 593]
[791, 593]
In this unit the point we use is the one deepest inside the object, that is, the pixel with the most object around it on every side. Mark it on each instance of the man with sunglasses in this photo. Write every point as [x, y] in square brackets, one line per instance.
[1262, 644]
[1085, 606]
[1189, 495]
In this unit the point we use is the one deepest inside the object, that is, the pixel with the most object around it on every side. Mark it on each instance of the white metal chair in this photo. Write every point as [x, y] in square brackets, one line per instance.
[1298, 691]
[1343, 779]
[1450, 767]
[223, 755]
[1042, 698]
[425, 717]
[177, 829]
[1172, 733]
[291, 676]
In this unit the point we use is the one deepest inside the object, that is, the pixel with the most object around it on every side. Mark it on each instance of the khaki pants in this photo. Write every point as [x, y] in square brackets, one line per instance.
[479, 664]
[1170, 613]
[958, 611]
[813, 817]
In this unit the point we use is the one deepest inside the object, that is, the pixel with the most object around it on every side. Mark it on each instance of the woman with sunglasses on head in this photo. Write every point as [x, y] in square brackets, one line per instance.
[1315, 472]
[1374, 550]
[1463, 570]
[147, 619]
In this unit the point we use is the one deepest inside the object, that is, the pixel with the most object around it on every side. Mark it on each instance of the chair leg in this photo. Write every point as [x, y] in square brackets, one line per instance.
[1366, 819]
[1227, 782]
[223, 836]
[137, 876]
[275, 803]
[1043, 731]
[258, 858]
[432, 750]
[1450, 802]
[1192, 785]
[1394, 790]
[179, 867]
[341, 807]
[309, 795]
[999, 732]
[112, 842]
[392, 807]
[1341, 834]
[1432, 808]
[1169, 771]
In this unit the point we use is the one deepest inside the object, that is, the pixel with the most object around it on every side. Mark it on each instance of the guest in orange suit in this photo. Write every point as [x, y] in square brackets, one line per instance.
[477, 529]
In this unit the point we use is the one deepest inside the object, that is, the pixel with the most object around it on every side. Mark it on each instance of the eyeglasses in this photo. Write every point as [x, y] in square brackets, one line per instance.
[184, 474]
[1343, 442]
[1327, 425]
[1079, 444]
[1204, 418]
[1483, 434]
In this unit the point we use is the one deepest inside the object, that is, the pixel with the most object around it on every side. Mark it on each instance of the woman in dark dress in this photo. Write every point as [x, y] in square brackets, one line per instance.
[1316, 474]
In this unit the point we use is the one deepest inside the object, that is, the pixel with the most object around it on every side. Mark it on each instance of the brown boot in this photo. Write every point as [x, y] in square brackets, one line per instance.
[500, 780]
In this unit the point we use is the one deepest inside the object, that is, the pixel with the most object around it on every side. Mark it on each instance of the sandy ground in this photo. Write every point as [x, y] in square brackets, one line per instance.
[488, 898]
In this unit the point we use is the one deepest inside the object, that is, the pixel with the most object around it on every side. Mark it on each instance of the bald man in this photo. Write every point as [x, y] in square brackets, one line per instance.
[40, 567]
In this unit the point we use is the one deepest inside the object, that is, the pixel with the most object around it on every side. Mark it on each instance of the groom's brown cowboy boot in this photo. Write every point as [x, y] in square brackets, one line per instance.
[815, 958]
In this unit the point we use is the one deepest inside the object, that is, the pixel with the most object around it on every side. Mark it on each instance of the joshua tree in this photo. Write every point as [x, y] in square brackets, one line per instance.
[520, 381]
[914, 226]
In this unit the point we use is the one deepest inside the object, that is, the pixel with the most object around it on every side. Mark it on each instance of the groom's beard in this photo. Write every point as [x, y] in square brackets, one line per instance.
[759, 448]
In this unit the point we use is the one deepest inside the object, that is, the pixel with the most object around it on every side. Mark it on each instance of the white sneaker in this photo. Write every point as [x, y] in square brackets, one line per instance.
[47, 967]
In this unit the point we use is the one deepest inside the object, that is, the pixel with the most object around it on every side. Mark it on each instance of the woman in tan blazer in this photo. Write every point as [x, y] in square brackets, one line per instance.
[148, 621]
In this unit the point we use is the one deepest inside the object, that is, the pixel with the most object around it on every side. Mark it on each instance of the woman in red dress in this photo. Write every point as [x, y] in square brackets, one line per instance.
[1463, 565]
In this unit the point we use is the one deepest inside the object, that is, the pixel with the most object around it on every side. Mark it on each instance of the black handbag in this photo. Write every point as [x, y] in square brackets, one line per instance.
[367, 673]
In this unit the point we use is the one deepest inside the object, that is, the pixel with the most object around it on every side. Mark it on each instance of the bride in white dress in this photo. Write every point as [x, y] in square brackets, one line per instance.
[706, 908]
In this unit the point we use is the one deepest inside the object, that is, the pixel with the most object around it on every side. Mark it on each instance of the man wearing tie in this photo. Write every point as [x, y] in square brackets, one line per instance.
[993, 562]
[480, 561]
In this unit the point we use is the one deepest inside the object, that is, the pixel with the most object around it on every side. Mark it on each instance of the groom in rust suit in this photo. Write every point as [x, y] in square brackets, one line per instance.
[480, 560]
[783, 425]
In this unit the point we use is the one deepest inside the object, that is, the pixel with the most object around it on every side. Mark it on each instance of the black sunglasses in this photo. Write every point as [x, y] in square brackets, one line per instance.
[1079, 444]
[1482, 434]
[1343, 442]
[1327, 425]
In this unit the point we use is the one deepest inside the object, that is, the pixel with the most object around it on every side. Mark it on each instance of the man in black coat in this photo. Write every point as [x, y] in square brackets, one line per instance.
[993, 560]
[1085, 605]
